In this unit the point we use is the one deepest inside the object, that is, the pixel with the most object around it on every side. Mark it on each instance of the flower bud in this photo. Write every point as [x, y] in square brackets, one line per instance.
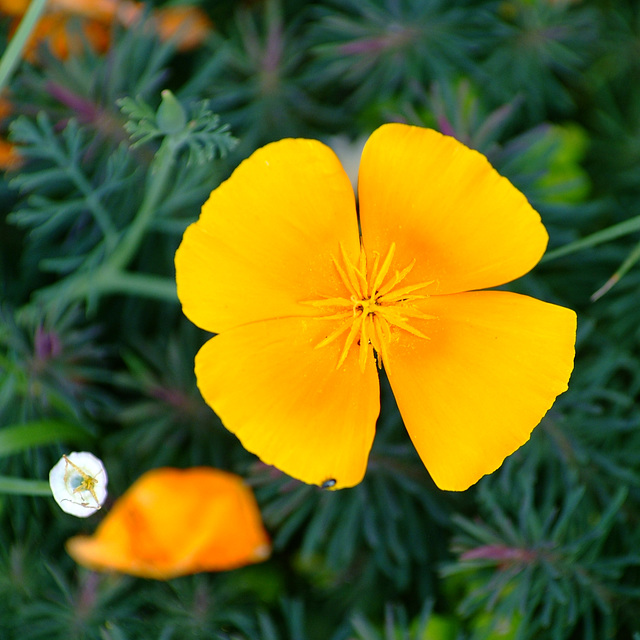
[170, 117]
[79, 483]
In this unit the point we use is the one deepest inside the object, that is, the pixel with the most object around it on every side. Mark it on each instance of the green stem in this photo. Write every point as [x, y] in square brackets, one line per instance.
[13, 53]
[611, 233]
[111, 276]
[64, 160]
[133, 284]
[631, 259]
[100, 214]
[107, 280]
[158, 180]
[24, 487]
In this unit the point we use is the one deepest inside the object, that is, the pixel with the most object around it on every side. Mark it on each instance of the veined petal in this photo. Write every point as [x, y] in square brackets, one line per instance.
[174, 522]
[472, 393]
[444, 205]
[286, 400]
[266, 238]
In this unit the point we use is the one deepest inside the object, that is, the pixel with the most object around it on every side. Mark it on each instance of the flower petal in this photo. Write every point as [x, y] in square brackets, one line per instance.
[444, 205]
[173, 522]
[265, 238]
[286, 400]
[471, 394]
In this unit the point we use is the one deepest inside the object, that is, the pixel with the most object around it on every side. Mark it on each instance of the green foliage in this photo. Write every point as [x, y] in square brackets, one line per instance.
[377, 49]
[397, 626]
[388, 531]
[14, 438]
[539, 49]
[51, 366]
[121, 149]
[540, 559]
[71, 189]
[255, 78]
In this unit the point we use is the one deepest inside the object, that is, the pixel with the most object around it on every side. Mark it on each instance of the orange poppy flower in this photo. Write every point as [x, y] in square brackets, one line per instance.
[301, 300]
[173, 522]
[187, 26]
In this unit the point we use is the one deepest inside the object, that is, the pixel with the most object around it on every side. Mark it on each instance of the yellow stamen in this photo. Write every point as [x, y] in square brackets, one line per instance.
[375, 306]
[88, 482]
[379, 278]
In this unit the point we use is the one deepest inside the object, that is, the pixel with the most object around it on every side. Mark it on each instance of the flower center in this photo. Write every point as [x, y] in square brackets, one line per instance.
[367, 306]
[376, 306]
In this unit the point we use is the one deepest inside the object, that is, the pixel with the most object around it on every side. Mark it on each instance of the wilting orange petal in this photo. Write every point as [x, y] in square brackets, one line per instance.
[187, 26]
[173, 522]
[446, 207]
[266, 237]
[472, 393]
[286, 400]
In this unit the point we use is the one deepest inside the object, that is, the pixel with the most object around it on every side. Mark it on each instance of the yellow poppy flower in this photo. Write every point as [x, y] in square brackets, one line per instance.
[173, 522]
[301, 300]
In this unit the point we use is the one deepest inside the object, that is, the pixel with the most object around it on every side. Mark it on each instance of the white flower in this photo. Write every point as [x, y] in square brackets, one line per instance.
[79, 483]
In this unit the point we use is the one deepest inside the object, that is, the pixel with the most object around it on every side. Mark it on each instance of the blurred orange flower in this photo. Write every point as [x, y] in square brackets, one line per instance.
[103, 9]
[6, 108]
[302, 292]
[173, 522]
[66, 36]
[9, 156]
[67, 22]
[187, 26]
